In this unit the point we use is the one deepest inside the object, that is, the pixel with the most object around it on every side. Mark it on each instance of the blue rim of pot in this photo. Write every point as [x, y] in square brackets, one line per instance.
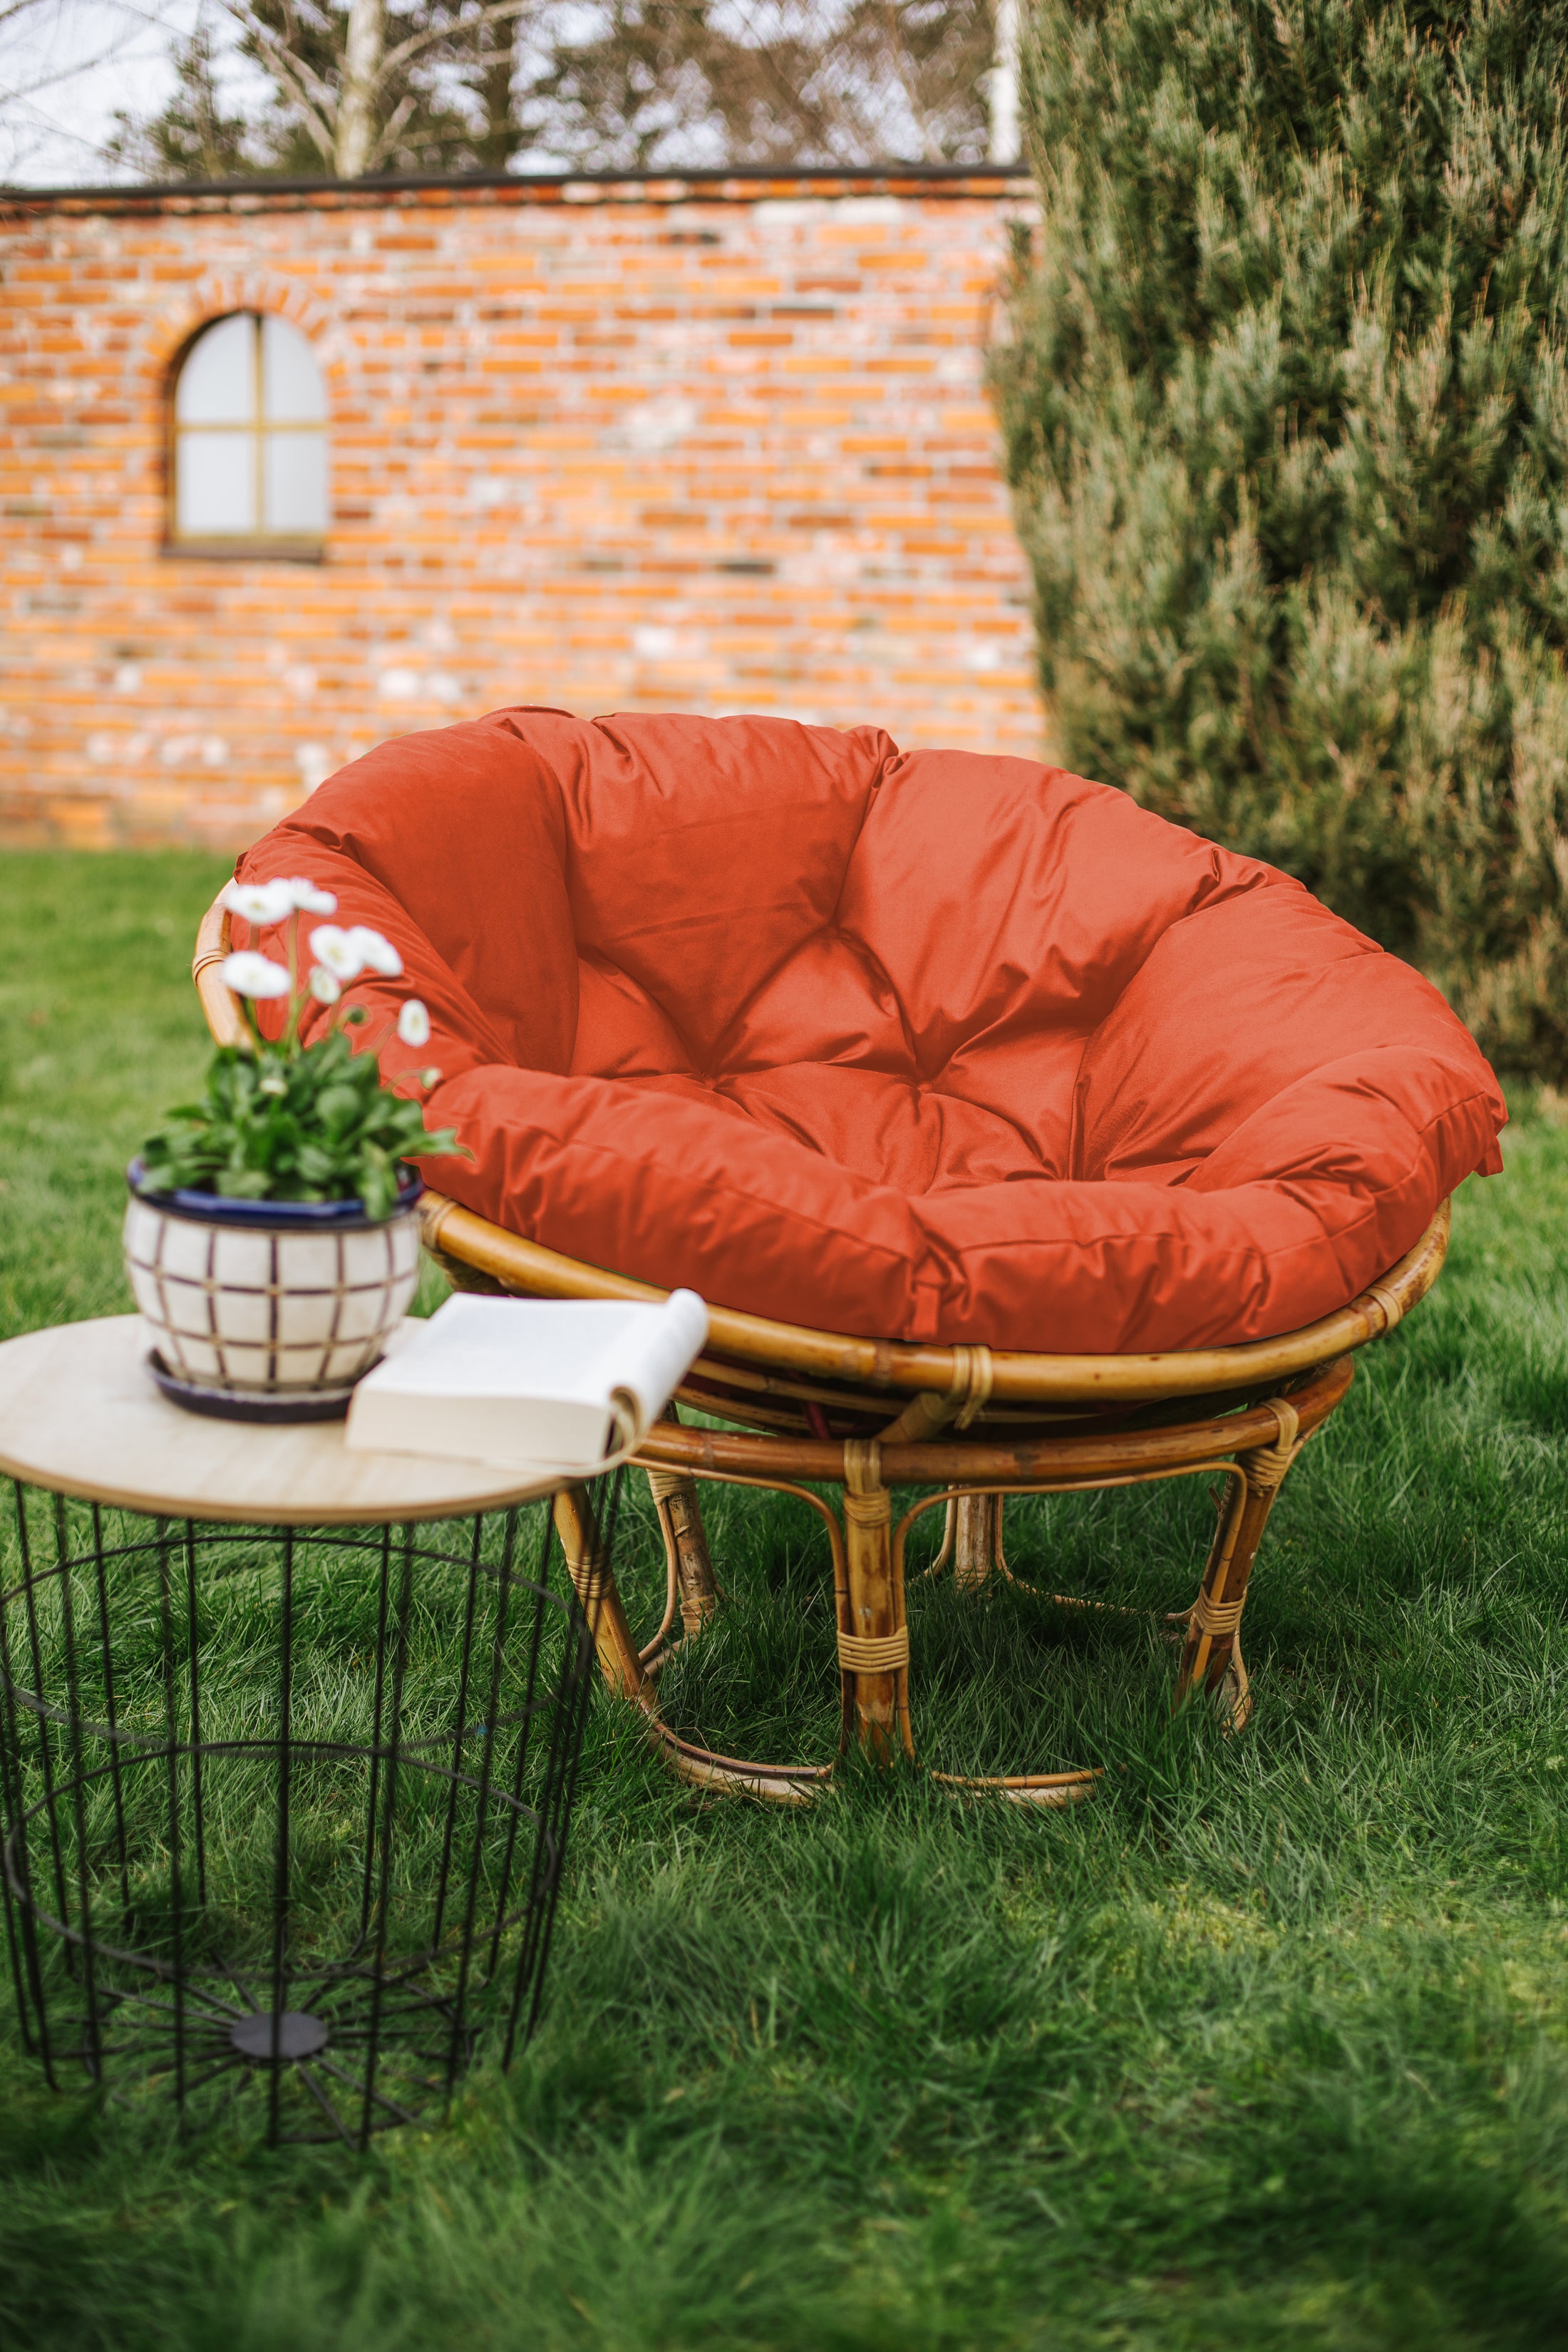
[303, 1217]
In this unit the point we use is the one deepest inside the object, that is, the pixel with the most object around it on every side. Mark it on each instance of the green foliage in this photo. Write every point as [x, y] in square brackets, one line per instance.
[1266, 2045]
[278, 1123]
[194, 135]
[1287, 408]
[99, 1032]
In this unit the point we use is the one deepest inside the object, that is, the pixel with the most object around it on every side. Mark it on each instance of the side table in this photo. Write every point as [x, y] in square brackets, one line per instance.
[289, 1736]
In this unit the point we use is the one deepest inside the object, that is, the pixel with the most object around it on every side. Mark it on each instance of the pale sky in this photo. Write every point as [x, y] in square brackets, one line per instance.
[65, 67]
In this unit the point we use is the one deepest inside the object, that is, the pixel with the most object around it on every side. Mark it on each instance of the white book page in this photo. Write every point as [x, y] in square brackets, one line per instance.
[520, 1380]
[509, 1347]
[645, 1364]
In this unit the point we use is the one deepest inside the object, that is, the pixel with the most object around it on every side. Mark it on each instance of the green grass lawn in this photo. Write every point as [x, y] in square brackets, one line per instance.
[1266, 2045]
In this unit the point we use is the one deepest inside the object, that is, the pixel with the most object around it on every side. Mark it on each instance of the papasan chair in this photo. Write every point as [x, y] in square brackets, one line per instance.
[1020, 1141]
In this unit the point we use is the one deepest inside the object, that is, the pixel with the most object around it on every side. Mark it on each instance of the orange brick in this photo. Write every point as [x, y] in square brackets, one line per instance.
[613, 446]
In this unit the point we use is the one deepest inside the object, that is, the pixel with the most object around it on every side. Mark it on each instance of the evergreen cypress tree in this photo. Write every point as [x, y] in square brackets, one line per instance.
[194, 136]
[1286, 398]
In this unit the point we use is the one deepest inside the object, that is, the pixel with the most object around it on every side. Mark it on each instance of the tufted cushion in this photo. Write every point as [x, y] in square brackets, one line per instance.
[913, 1045]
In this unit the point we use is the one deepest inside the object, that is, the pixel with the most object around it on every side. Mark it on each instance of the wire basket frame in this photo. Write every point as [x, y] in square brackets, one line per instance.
[286, 1809]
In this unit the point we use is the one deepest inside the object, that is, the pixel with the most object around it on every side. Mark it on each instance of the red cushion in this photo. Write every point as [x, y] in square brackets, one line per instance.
[923, 1045]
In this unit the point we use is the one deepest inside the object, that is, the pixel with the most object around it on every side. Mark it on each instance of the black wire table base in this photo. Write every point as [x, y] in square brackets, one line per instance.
[285, 1810]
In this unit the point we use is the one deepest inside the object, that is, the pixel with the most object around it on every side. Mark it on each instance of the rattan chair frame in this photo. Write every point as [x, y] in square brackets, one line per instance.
[806, 1408]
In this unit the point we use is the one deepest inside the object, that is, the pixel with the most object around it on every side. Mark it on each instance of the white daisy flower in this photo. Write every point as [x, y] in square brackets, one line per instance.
[259, 902]
[250, 975]
[308, 898]
[339, 950]
[376, 954]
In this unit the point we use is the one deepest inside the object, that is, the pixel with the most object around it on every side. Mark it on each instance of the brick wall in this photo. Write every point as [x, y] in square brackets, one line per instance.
[637, 446]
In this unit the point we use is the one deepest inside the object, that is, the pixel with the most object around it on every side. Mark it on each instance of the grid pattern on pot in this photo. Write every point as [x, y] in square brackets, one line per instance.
[253, 1309]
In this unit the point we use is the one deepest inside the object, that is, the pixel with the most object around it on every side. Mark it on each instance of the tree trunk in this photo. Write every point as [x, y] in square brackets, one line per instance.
[494, 146]
[1006, 137]
[356, 126]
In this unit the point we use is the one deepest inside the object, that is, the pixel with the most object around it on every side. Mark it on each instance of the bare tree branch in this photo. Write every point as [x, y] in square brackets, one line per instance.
[288, 71]
[502, 12]
[309, 90]
[395, 123]
[445, 84]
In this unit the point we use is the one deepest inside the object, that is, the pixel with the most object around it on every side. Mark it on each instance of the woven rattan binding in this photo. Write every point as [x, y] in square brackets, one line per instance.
[1266, 1465]
[874, 1654]
[1388, 1301]
[1215, 1618]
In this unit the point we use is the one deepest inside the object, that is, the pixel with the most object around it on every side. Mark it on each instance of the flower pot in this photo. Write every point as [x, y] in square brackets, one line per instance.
[267, 1310]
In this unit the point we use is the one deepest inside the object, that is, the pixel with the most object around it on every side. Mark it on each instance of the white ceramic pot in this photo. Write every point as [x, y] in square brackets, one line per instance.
[267, 1310]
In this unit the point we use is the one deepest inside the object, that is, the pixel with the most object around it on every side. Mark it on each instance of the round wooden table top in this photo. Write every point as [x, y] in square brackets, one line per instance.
[79, 1413]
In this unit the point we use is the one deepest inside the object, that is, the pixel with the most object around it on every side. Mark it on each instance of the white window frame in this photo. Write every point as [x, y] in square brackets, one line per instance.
[290, 546]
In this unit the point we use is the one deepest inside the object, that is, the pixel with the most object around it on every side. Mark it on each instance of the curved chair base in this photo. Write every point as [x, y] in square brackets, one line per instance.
[802, 1784]
[1250, 1450]
[972, 1424]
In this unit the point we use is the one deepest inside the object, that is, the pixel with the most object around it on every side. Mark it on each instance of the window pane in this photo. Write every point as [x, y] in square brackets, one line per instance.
[217, 382]
[291, 391]
[216, 475]
[296, 483]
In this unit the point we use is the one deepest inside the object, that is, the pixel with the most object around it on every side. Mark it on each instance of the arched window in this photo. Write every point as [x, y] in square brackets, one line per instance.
[249, 457]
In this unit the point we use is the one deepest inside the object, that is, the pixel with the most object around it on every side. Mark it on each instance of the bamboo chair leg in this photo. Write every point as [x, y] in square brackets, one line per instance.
[685, 1547]
[976, 1544]
[693, 1563]
[596, 1586]
[874, 1646]
[1211, 1655]
[685, 1543]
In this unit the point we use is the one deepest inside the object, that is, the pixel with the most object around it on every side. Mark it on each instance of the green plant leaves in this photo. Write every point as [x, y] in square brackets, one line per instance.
[316, 1125]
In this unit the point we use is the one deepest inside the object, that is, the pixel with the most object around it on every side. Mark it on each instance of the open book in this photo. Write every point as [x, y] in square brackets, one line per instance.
[528, 1382]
